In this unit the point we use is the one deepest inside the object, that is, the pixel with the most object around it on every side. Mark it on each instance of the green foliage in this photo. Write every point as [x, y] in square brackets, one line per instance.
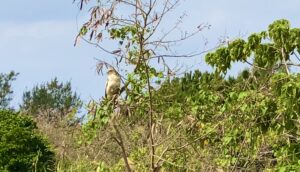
[21, 148]
[242, 124]
[80, 165]
[268, 48]
[5, 88]
[205, 121]
[246, 123]
[98, 117]
[53, 99]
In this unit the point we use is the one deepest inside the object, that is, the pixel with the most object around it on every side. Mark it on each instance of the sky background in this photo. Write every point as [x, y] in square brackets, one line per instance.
[37, 37]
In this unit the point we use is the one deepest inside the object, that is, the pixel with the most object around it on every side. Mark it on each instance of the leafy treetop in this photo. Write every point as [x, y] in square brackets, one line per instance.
[5, 88]
[270, 49]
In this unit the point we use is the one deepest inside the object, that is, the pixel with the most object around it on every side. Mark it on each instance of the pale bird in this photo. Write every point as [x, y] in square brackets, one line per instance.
[113, 84]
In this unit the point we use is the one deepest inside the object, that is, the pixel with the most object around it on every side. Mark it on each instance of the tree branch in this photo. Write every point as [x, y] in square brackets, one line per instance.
[121, 144]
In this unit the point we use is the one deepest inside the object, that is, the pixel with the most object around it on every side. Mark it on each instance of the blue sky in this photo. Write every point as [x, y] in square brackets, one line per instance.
[36, 37]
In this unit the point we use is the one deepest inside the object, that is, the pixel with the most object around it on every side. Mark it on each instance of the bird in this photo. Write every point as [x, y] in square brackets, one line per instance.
[113, 83]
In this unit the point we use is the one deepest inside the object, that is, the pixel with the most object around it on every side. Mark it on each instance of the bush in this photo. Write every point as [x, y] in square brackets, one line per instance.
[21, 148]
[53, 99]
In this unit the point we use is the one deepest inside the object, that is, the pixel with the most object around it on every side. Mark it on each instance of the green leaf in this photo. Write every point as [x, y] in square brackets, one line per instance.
[83, 31]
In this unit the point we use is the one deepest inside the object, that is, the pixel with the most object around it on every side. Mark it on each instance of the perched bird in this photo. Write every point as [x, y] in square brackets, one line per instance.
[113, 84]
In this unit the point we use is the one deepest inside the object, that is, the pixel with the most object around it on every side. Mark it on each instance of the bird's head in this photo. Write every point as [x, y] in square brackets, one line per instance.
[111, 70]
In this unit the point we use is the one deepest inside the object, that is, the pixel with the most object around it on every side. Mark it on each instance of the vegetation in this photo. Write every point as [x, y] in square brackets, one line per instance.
[21, 147]
[5, 88]
[52, 100]
[198, 121]
[202, 121]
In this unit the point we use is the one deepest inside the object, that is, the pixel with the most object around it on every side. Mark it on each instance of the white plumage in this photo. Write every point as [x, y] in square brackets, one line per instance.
[113, 84]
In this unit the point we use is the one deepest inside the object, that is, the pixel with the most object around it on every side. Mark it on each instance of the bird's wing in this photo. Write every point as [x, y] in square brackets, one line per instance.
[106, 89]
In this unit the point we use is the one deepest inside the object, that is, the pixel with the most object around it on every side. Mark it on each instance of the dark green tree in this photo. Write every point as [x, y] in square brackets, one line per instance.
[21, 147]
[53, 99]
[5, 88]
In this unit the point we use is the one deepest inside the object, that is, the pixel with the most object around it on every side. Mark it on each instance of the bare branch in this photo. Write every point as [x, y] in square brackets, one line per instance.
[293, 64]
[298, 58]
[183, 55]
[165, 10]
[255, 65]
[115, 52]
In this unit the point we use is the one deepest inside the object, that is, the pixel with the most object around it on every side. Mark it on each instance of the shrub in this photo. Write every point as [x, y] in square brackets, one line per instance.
[21, 148]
